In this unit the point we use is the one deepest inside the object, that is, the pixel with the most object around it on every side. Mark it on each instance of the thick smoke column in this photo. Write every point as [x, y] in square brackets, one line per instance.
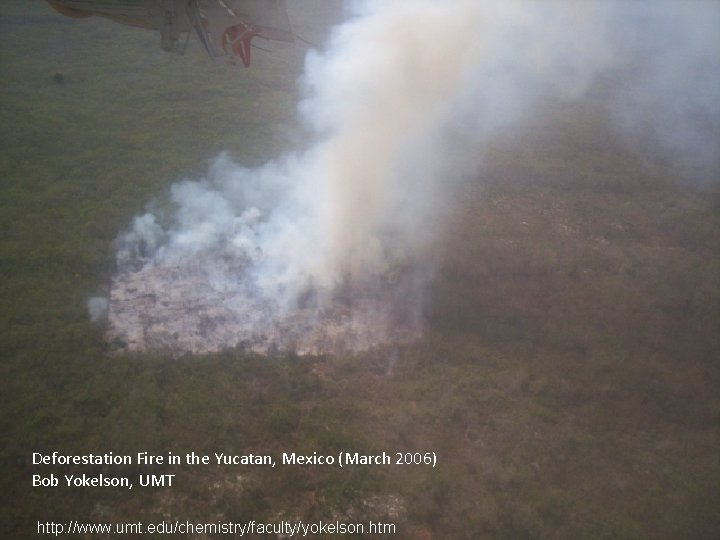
[325, 249]
[318, 250]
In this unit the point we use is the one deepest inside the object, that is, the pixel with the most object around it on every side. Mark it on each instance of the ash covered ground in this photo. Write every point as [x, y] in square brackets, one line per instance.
[182, 309]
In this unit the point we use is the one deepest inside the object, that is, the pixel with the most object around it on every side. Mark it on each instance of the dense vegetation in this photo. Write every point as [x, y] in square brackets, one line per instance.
[568, 380]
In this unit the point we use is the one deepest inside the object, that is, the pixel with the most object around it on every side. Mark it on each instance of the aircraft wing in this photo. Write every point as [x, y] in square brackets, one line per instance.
[225, 27]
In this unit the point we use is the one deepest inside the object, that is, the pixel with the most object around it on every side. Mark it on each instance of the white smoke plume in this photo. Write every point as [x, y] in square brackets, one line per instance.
[326, 249]
[97, 307]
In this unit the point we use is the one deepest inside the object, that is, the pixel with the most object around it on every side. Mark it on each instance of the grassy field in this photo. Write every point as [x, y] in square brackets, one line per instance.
[568, 379]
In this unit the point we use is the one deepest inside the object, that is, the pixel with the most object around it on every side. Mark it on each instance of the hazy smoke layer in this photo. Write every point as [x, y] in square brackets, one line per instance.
[669, 52]
[325, 249]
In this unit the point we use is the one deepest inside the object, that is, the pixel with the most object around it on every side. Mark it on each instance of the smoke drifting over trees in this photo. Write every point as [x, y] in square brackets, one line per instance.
[328, 247]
